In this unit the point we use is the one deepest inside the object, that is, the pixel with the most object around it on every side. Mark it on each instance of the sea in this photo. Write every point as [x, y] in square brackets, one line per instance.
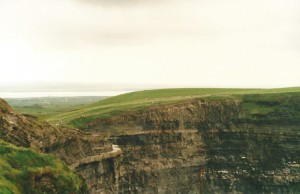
[59, 94]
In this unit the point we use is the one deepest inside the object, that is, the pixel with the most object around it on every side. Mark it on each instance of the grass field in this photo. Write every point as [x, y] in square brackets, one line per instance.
[21, 171]
[45, 107]
[143, 99]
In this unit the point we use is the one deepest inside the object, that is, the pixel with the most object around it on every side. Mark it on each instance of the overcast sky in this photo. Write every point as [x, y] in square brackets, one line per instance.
[205, 43]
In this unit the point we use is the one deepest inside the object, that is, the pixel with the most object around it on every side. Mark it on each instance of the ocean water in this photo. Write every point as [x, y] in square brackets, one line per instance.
[58, 94]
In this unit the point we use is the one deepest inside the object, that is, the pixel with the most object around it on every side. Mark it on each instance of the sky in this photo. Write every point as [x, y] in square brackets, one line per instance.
[178, 43]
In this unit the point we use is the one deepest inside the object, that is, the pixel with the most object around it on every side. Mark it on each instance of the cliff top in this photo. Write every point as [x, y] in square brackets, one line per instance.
[143, 99]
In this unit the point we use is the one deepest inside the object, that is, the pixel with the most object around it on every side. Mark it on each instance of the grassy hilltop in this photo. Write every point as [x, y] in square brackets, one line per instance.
[143, 99]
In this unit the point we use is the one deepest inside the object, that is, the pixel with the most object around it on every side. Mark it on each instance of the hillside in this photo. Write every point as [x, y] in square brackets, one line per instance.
[141, 100]
[214, 140]
[26, 171]
[46, 156]
[44, 107]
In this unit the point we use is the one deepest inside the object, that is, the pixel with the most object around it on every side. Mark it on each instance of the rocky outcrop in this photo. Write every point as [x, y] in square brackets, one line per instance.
[116, 151]
[4, 107]
[192, 114]
[68, 144]
[74, 147]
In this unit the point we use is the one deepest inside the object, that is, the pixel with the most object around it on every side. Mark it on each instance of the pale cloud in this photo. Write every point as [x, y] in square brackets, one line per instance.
[236, 43]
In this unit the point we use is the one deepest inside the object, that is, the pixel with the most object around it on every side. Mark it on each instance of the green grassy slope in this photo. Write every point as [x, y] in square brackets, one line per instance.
[143, 99]
[276, 108]
[45, 107]
[25, 171]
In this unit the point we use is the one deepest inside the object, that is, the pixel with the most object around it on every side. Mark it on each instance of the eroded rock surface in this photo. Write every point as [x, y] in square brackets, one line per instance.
[217, 146]
[248, 145]
[72, 146]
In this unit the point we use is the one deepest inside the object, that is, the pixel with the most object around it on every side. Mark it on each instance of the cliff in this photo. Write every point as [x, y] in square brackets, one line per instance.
[191, 114]
[214, 144]
[71, 146]
[26, 171]
[29, 132]
[245, 144]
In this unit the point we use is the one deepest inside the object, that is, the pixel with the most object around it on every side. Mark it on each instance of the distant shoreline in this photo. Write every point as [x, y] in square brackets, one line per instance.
[58, 94]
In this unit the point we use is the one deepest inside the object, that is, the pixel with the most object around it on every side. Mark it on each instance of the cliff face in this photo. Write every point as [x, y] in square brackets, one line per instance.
[190, 161]
[67, 144]
[161, 162]
[248, 145]
[253, 162]
[25, 170]
[193, 114]
[75, 148]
